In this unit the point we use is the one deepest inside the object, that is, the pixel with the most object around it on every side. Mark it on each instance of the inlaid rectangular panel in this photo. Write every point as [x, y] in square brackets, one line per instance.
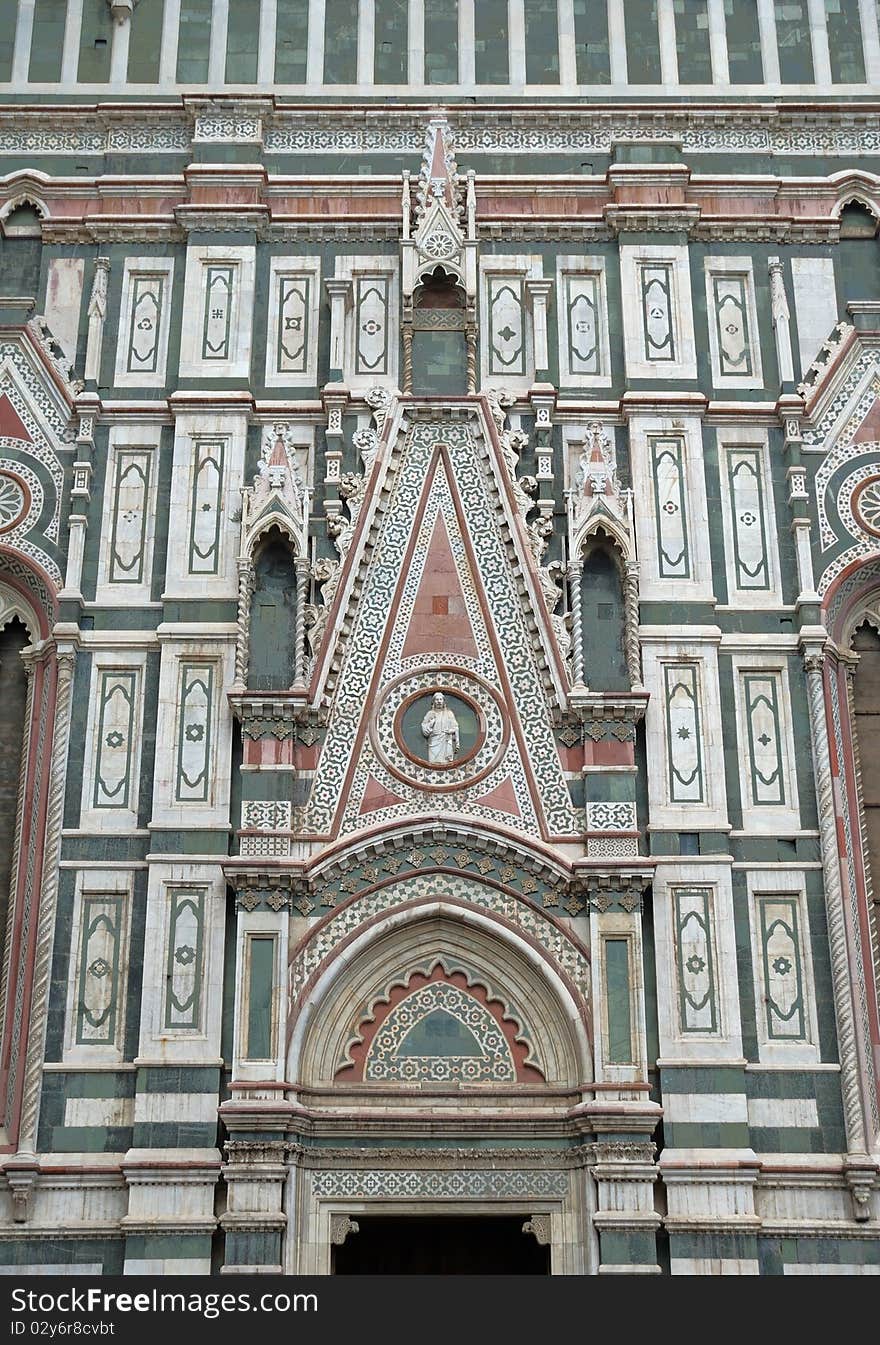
[695, 960]
[748, 510]
[147, 301]
[734, 342]
[506, 335]
[781, 967]
[657, 300]
[195, 727]
[184, 976]
[618, 1007]
[259, 1034]
[144, 321]
[291, 349]
[371, 323]
[99, 974]
[206, 505]
[684, 733]
[761, 696]
[117, 692]
[219, 281]
[130, 515]
[670, 506]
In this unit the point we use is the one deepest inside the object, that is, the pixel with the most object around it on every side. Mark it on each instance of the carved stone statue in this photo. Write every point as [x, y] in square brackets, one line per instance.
[440, 727]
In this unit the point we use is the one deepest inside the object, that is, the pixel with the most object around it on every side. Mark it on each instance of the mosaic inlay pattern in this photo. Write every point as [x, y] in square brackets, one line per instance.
[477, 1052]
[478, 491]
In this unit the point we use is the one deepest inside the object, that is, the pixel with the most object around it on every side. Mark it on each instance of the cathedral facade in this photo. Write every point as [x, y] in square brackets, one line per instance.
[439, 636]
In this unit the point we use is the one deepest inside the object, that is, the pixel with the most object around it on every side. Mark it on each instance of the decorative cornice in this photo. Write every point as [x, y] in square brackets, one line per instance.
[359, 1158]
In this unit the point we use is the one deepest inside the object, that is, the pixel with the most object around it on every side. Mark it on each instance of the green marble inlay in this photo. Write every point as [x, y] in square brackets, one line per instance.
[145, 43]
[542, 41]
[391, 26]
[642, 41]
[242, 37]
[261, 976]
[692, 41]
[743, 42]
[194, 41]
[96, 37]
[793, 41]
[340, 41]
[291, 41]
[591, 43]
[441, 42]
[845, 41]
[47, 41]
[617, 1000]
[491, 42]
[8, 17]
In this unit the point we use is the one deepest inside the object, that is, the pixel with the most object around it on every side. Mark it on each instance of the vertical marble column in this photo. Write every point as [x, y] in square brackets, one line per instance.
[339, 290]
[567, 49]
[870, 40]
[516, 36]
[539, 292]
[573, 574]
[170, 38]
[268, 28]
[21, 53]
[65, 656]
[668, 51]
[366, 45]
[466, 55]
[416, 51]
[315, 45]
[781, 318]
[819, 39]
[814, 666]
[617, 41]
[769, 48]
[217, 50]
[119, 48]
[718, 42]
[70, 51]
[97, 315]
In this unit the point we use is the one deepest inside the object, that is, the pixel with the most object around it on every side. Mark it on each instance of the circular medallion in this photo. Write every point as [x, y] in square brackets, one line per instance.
[866, 505]
[15, 500]
[439, 729]
[439, 245]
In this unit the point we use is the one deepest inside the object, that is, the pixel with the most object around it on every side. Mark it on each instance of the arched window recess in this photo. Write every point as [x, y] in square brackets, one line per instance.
[603, 573]
[273, 572]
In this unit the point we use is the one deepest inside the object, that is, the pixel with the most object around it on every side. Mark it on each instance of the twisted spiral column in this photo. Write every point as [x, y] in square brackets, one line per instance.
[632, 648]
[573, 574]
[27, 1137]
[843, 1006]
[29, 659]
[407, 360]
[242, 643]
[471, 355]
[299, 655]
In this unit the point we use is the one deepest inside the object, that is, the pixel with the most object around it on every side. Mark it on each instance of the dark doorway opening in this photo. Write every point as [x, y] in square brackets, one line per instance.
[494, 1245]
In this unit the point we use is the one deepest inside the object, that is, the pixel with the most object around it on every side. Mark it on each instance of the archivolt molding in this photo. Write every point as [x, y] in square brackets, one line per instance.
[351, 956]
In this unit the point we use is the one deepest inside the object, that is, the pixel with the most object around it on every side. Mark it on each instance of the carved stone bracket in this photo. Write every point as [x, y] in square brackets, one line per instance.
[617, 889]
[341, 1227]
[539, 1227]
[281, 714]
[269, 889]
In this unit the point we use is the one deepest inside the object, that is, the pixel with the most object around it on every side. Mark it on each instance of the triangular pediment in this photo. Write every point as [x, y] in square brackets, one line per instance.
[444, 602]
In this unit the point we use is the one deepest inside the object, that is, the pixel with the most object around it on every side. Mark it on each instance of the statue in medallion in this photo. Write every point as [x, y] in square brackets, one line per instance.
[440, 727]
